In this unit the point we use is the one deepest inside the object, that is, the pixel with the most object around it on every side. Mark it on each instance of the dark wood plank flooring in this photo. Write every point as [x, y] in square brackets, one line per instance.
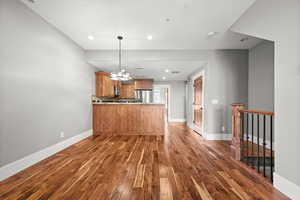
[177, 166]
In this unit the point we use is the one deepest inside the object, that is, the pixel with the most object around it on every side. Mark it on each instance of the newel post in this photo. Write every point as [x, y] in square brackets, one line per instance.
[236, 146]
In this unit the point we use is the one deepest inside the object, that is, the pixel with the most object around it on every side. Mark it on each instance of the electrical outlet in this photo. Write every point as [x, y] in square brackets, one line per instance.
[62, 134]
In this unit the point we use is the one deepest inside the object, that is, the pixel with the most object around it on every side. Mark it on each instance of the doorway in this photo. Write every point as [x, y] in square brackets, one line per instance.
[198, 105]
[161, 94]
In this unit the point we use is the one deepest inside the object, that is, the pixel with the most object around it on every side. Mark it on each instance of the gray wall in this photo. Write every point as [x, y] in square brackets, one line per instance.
[225, 80]
[261, 77]
[153, 61]
[177, 98]
[45, 84]
[284, 29]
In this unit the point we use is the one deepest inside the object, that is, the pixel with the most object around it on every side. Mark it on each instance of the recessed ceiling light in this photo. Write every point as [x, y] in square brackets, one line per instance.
[211, 33]
[164, 78]
[167, 70]
[149, 37]
[90, 37]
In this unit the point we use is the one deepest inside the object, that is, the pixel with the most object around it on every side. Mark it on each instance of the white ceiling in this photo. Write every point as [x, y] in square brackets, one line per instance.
[190, 21]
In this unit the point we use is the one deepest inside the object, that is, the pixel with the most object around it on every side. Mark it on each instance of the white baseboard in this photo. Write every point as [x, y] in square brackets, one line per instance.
[218, 136]
[177, 120]
[17, 166]
[268, 143]
[287, 187]
[191, 126]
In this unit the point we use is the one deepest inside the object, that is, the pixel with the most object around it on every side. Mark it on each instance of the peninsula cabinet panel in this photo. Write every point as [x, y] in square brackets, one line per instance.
[152, 120]
[128, 119]
[108, 116]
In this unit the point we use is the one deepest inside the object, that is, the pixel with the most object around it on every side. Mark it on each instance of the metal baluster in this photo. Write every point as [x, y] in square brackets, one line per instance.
[247, 138]
[271, 141]
[258, 157]
[242, 138]
[264, 145]
[252, 149]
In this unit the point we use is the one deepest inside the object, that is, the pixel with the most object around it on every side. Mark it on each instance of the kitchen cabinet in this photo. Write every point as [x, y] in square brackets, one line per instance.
[105, 87]
[127, 91]
[143, 84]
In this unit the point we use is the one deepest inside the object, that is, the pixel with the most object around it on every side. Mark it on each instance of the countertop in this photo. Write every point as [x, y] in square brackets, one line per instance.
[101, 103]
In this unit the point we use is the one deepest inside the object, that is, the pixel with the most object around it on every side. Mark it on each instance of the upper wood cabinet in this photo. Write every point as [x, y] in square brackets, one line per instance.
[143, 84]
[127, 91]
[104, 85]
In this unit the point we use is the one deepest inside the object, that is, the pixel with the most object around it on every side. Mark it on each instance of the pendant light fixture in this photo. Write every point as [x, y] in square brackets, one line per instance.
[121, 75]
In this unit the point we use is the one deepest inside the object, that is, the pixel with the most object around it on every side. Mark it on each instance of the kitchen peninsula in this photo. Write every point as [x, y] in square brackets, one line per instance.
[128, 119]
[125, 114]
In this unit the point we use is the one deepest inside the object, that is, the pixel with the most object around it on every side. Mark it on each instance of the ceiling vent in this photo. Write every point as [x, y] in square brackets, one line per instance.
[139, 68]
[175, 72]
[244, 39]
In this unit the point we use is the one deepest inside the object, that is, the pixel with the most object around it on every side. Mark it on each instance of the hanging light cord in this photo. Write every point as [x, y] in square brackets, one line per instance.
[120, 38]
[122, 74]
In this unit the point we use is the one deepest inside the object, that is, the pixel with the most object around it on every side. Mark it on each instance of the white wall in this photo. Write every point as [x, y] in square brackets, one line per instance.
[279, 21]
[177, 99]
[225, 80]
[160, 91]
[45, 84]
[261, 77]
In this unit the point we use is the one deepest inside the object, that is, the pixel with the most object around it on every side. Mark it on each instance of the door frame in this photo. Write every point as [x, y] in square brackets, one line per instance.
[169, 97]
[199, 130]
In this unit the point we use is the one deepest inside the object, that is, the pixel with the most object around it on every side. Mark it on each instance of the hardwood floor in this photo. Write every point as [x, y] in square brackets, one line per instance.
[255, 150]
[177, 166]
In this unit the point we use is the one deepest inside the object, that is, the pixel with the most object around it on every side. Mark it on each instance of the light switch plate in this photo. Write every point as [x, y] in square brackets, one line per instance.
[214, 101]
[62, 134]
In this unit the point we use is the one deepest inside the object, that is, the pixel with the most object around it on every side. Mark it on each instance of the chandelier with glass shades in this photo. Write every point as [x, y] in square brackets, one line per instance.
[121, 75]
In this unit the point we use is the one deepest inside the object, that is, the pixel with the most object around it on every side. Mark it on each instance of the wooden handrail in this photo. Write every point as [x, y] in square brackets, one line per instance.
[257, 112]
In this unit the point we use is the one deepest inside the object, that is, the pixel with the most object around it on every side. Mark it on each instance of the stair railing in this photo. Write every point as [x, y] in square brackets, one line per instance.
[253, 138]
